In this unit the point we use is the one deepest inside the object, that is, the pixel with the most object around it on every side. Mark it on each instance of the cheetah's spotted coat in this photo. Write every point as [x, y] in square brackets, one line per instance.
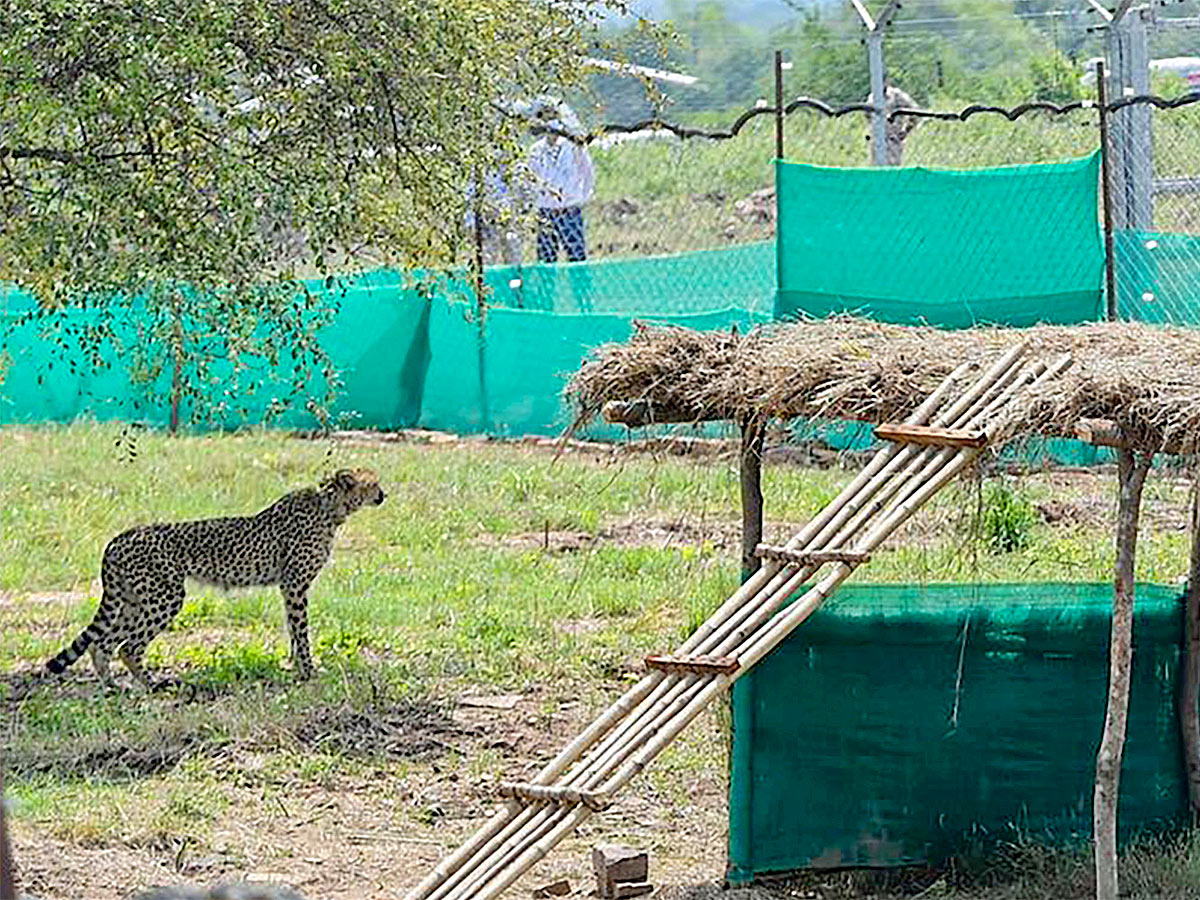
[144, 568]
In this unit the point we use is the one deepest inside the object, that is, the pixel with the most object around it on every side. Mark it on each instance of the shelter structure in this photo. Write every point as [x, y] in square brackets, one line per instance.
[1131, 387]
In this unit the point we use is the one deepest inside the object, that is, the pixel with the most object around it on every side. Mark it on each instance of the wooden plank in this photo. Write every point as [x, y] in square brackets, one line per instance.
[694, 665]
[810, 557]
[931, 436]
[560, 796]
[639, 413]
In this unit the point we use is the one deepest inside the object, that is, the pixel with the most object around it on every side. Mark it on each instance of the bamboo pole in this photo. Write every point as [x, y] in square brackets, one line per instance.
[534, 854]
[451, 864]
[761, 577]
[542, 824]
[928, 463]
[897, 516]
[686, 708]
[1189, 694]
[780, 590]
[1131, 471]
[657, 709]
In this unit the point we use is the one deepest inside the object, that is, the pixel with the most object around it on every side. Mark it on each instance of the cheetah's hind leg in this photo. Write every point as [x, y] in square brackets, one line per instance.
[159, 603]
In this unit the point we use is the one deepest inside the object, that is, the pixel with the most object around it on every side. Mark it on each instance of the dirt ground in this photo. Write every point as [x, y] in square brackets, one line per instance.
[350, 838]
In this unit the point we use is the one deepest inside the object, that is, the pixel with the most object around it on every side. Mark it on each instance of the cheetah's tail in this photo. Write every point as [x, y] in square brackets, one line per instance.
[97, 629]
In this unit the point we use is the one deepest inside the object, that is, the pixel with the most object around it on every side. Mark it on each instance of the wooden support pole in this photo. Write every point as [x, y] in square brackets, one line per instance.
[1132, 469]
[693, 665]
[810, 557]
[929, 436]
[559, 796]
[1107, 433]
[753, 432]
[1189, 693]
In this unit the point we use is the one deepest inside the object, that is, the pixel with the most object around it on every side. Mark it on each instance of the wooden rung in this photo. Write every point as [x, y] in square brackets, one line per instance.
[809, 557]
[694, 665]
[930, 435]
[560, 796]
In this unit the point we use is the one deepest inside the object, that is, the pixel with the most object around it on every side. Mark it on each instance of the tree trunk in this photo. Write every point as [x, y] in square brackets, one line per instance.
[176, 362]
[752, 497]
[1189, 695]
[1132, 470]
[8, 890]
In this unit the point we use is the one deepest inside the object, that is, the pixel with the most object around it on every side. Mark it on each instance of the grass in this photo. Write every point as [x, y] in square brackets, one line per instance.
[444, 590]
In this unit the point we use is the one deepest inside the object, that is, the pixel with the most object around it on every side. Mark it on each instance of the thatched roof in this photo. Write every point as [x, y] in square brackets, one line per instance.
[1144, 378]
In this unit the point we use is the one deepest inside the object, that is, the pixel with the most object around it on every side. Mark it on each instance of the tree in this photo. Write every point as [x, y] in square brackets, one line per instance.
[176, 166]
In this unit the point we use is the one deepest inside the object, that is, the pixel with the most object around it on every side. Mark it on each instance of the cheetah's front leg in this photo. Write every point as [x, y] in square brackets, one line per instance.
[295, 597]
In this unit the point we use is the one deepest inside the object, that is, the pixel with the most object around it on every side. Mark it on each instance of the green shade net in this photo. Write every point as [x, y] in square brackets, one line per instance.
[906, 724]
[741, 276]
[411, 358]
[1015, 245]
[1158, 277]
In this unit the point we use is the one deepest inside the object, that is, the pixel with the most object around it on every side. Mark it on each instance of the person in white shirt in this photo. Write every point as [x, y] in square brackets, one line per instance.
[563, 180]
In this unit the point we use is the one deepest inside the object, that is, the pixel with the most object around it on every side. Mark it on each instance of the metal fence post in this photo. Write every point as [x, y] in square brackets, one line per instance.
[1139, 147]
[779, 104]
[879, 96]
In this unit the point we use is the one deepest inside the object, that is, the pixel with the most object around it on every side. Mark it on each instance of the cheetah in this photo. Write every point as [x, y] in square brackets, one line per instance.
[143, 569]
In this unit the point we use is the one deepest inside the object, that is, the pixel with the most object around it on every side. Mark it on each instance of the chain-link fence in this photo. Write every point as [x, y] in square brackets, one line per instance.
[1155, 186]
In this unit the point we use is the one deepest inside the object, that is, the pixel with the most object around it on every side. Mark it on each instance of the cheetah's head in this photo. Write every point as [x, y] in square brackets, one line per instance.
[352, 489]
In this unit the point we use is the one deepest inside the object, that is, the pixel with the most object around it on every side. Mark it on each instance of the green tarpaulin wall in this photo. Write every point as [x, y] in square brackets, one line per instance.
[407, 360]
[874, 737]
[1015, 245]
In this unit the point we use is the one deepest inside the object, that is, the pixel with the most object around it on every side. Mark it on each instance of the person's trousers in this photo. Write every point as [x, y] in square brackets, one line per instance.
[561, 228]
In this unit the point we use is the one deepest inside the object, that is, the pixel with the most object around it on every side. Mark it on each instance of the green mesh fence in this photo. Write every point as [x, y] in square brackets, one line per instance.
[408, 361]
[906, 724]
[1158, 277]
[1015, 245]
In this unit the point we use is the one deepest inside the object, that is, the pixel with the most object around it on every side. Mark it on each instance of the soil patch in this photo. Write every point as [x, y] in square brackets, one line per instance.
[409, 731]
[659, 533]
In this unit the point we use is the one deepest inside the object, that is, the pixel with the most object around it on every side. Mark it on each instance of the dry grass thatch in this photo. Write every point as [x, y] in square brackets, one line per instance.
[1145, 378]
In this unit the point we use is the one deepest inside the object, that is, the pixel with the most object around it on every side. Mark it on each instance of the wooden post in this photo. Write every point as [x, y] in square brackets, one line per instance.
[1189, 694]
[753, 433]
[1132, 468]
[1106, 194]
[8, 889]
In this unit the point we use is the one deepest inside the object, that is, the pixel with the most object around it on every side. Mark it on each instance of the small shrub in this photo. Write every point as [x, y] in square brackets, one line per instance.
[1006, 518]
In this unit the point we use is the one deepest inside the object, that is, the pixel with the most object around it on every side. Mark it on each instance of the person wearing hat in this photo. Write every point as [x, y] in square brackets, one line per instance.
[563, 180]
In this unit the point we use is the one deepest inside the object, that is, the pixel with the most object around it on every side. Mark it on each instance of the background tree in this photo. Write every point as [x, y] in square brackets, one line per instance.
[178, 166]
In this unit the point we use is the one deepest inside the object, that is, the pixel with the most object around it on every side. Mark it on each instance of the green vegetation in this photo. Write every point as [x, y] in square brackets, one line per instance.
[1006, 518]
[491, 568]
[174, 168]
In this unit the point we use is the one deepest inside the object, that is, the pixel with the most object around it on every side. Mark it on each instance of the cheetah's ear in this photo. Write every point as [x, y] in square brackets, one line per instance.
[342, 479]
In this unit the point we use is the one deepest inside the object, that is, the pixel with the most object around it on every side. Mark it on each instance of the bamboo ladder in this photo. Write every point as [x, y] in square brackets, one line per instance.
[939, 440]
